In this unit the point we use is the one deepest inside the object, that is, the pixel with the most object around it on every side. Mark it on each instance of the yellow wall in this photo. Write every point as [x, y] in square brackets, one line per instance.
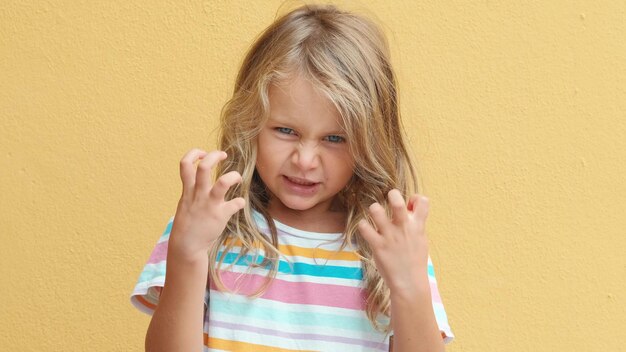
[516, 111]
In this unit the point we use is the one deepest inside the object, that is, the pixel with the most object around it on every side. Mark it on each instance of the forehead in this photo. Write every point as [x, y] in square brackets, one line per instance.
[298, 100]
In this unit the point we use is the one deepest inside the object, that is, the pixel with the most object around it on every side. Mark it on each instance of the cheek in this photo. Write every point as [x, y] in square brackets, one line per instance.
[270, 152]
[261, 153]
[270, 145]
[348, 172]
[343, 165]
[263, 147]
[345, 159]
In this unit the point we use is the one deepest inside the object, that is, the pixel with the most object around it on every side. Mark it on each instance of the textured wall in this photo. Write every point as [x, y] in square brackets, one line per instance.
[516, 112]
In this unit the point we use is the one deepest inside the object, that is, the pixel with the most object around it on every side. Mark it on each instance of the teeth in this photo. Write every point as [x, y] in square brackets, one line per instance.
[300, 182]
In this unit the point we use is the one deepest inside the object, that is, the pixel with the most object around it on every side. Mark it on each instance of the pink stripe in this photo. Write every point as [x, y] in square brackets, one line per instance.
[434, 292]
[297, 292]
[159, 253]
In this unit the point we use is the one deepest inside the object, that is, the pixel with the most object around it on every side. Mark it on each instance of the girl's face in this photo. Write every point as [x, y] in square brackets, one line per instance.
[303, 156]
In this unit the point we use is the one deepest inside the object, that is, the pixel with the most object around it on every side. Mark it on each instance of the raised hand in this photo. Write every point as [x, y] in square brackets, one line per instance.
[399, 244]
[202, 212]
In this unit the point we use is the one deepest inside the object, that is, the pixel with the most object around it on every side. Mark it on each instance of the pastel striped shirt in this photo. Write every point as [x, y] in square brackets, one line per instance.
[315, 303]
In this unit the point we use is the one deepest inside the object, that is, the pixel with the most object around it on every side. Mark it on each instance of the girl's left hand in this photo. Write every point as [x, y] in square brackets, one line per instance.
[399, 244]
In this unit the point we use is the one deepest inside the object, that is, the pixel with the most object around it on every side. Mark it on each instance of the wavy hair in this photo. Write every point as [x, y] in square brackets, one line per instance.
[345, 56]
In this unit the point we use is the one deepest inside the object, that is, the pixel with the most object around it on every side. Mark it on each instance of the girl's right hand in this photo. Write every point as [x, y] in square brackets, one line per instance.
[202, 212]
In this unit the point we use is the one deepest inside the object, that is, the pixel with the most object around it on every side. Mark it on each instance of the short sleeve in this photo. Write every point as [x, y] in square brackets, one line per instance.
[145, 295]
[440, 312]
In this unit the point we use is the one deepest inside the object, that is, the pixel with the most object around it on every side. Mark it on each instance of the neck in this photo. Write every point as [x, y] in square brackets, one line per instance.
[330, 220]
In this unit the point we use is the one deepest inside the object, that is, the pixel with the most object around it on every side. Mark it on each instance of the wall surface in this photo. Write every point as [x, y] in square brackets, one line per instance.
[516, 113]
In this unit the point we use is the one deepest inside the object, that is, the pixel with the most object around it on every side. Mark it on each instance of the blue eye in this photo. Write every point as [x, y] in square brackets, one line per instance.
[335, 139]
[284, 130]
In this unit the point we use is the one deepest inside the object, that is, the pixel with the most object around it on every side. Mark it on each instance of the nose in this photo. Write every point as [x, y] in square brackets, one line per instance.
[306, 156]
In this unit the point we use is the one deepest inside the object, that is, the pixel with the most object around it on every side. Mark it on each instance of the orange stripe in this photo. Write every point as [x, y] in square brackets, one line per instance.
[229, 345]
[145, 302]
[316, 253]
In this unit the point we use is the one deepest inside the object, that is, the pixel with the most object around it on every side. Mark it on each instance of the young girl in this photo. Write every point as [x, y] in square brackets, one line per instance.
[313, 239]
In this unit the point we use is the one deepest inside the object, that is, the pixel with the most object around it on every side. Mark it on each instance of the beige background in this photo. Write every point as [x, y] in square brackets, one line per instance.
[516, 113]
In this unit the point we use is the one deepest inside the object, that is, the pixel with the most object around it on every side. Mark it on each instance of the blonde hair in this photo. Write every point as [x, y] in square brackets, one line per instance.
[346, 57]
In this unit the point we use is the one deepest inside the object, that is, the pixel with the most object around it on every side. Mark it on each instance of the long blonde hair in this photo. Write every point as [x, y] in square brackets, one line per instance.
[345, 56]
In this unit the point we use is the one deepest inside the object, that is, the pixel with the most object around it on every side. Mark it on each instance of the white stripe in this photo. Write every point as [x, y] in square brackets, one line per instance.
[164, 238]
[280, 342]
[327, 244]
[142, 287]
[323, 261]
[295, 329]
[295, 278]
[224, 298]
[440, 315]
[294, 310]
[306, 260]
[158, 267]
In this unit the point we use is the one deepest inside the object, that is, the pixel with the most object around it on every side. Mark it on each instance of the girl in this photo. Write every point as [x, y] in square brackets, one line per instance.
[311, 244]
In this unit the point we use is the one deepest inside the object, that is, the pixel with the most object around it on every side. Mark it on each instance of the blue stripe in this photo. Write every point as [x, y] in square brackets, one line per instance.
[284, 267]
[440, 314]
[152, 271]
[221, 303]
[168, 229]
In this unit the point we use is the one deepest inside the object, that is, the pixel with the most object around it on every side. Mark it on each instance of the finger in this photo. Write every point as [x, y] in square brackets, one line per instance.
[188, 169]
[398, 207]
[411, 206]
[223, 184]
[205, 167]
[421, 209]
[369, 233]
[377, 212]
[234, 205]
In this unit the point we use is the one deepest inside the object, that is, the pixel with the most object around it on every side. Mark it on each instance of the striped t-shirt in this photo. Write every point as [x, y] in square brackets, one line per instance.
[316, 302]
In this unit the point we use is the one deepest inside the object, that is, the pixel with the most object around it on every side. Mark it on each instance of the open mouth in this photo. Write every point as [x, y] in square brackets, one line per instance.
[301, 186]
[300, 181]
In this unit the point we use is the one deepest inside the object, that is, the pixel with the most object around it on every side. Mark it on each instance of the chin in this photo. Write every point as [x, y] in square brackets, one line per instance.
[297, 205]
